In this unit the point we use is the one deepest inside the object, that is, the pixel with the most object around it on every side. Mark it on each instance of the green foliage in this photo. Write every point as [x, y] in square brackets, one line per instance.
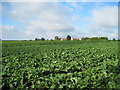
[103, 38]
[114, 39]
[42, 39]
[60, 64]
[94, 38]
[36, 39]
[68, 37]
[56, 38]
[85, 38]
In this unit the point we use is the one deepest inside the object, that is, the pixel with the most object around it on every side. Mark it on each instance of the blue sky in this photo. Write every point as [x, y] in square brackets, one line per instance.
[28, 20]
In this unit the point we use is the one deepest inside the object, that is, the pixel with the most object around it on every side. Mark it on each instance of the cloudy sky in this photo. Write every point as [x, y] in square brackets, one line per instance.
[30, 20]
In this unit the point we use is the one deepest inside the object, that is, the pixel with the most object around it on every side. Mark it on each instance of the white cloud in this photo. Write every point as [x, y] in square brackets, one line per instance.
[51, 19]
[41, 17]
[0, 31]
[9, 32]
[9, 28]
[60, 0]
[104, 20]
[30, 0]
[0, 21]
[106, 16]
[76, 17]
[91, 0]
[115, 35]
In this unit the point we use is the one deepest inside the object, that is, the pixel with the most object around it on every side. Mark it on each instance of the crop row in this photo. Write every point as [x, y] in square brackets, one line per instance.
[66, 65]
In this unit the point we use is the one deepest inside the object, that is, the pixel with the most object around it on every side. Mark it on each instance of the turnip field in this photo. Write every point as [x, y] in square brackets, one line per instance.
[60, 64]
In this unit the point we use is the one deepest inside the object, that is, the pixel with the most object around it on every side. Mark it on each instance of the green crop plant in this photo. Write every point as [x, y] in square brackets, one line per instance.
[60, 64]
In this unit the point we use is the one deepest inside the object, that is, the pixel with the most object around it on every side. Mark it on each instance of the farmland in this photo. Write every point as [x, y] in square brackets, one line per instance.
[60, 64]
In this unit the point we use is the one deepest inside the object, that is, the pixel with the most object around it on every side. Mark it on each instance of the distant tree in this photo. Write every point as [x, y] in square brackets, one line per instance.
[82, 38]
[68, 37]
[94, 38]
[114, 39]
[103, 38]
[85, 38]
[36, 39]
[56, 38]
[59, 38]
[42, 39]
[51, 39]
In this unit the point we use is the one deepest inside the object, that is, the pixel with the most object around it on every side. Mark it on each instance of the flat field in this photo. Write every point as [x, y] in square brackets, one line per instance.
[60, 64]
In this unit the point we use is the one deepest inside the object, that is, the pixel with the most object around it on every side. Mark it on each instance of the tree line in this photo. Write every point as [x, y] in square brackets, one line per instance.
[94, 38]
[69, 38]
[55, 38]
